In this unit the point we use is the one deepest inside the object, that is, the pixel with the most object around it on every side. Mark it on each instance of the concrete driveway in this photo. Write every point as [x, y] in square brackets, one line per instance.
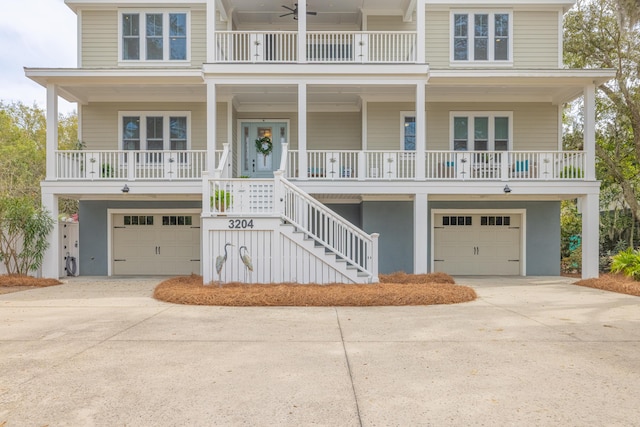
[529, 351]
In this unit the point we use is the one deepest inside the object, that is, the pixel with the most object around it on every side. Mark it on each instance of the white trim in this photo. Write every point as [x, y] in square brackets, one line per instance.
[141, 61]
[523, 230]
[79, 37]
[560, 39]
[470, 37]
[166, 136]
[119, 211]
[470, 132]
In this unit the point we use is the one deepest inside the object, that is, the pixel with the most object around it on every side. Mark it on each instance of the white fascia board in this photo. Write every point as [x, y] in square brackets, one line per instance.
[76, 5]
[451, 4]
[597, 76]
[43, 76]
[103, 188]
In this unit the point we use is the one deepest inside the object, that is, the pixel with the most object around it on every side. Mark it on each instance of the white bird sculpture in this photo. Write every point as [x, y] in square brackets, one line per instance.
[246, 259]
[220, 260]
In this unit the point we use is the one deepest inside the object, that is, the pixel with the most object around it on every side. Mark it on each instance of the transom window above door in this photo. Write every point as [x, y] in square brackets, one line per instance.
[154, 36]
[481, 131]
[481, 36]
[154, 130]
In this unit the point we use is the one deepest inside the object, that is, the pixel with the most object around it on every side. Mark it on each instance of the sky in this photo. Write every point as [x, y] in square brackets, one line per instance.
[35, 33]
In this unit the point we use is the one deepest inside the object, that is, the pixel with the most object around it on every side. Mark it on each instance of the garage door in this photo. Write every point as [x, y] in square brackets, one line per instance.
[478, 244]
[163, 244]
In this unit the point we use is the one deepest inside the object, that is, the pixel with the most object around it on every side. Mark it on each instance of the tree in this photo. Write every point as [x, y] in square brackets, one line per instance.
[606, 34]
[23, 234]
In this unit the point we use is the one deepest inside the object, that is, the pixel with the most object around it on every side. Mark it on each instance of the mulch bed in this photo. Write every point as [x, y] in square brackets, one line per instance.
[394, 290]
[16, 283]
[613, 283]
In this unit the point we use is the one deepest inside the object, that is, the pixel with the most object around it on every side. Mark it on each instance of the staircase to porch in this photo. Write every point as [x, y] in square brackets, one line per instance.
[287, 234]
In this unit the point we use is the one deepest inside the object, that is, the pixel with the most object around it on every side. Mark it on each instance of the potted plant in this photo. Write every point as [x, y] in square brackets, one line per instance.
[221, 200]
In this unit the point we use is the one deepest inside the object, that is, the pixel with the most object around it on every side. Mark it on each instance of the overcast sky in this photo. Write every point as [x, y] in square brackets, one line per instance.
[34, 33]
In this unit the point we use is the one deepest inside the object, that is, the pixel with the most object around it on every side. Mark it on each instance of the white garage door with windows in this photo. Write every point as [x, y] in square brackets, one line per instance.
[155, 243]
[478, 243]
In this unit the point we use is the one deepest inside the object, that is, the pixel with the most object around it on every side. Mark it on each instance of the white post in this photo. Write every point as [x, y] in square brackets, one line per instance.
[302, 131]
[590, 236]
[420, 234]
[51, 260]
[421, 31]
[211, 126]
[211, 31]
[374, 258]
[590, 132]
[421, 131]
[52, 131]
[302, 32]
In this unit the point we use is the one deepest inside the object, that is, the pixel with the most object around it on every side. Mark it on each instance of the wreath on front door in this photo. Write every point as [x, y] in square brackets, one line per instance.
[264, 146]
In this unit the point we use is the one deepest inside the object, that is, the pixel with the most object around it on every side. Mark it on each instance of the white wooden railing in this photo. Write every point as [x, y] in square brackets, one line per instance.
[458, 165]
[322, 46]
[130, 165]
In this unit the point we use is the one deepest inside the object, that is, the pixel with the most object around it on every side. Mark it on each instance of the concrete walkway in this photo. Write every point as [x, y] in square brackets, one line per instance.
[529, 352]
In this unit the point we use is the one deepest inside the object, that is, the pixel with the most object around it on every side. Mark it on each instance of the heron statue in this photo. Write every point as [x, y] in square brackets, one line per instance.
[220, 260]
[246, 259]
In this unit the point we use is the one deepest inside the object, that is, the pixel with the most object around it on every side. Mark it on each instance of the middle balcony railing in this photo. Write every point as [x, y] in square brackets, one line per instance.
[321, 47]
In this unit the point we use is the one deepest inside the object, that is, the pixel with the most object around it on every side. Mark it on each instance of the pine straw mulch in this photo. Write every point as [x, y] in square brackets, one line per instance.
[613, 283]
[393, 290]
[15, 282]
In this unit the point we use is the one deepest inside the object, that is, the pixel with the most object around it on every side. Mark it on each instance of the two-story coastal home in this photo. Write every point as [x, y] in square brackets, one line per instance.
[327, 140]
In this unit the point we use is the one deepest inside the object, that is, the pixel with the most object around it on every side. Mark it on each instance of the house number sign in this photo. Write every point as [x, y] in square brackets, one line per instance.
[240, 223]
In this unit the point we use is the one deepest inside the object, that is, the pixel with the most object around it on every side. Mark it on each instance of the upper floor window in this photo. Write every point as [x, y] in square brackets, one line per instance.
[157, 36]
[155, 130]
[481, 131]
[408, 131]
[481, 36]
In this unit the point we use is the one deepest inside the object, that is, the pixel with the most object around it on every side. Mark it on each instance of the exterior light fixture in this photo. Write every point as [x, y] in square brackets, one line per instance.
[125, 189]
[506, 189]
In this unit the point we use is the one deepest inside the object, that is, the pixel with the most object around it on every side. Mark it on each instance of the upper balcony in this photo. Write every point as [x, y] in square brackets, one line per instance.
[359, 47]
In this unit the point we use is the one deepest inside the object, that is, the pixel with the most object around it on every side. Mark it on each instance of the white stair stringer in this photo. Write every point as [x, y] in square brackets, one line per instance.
[304, 261]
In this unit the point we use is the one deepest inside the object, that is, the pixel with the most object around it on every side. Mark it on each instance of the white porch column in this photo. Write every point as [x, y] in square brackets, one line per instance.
[302, 131]
[302, 32]
[421, 131]
[211, 31]
[590, 235]
[52, 131]
[51, 260]
[211, 127]
[590, 132]
[420, 233]
[420, 30]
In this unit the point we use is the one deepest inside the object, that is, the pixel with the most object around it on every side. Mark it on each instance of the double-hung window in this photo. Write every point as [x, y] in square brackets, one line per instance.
[481, 37]
[154, 131]
[154, 37]
[481, 131]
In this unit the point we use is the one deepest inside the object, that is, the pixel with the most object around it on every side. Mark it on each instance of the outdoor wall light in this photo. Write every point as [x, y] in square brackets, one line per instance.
[125, 189]
[506, 189]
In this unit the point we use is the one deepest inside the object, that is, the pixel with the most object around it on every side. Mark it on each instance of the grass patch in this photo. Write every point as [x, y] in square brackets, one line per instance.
[394, 290]
[613, 283]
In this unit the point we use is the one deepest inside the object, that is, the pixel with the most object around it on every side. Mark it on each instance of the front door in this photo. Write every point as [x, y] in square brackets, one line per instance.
[261, 147]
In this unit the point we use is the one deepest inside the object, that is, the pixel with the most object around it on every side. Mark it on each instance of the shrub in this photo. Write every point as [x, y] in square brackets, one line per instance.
[627, 262]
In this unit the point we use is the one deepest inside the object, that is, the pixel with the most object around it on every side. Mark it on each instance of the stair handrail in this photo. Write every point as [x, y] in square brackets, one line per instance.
[358, 248]
[222, 165]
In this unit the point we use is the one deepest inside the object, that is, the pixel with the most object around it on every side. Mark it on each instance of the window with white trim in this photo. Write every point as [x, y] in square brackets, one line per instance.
[408, 131]
[155, 130]
[481, 131]
[154, 36]
[481, 37]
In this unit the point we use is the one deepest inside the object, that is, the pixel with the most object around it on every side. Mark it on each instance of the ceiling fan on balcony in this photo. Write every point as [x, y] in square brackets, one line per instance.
[294, 12]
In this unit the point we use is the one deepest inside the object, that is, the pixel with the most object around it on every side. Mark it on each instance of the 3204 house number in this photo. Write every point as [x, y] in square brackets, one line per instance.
[240, 223]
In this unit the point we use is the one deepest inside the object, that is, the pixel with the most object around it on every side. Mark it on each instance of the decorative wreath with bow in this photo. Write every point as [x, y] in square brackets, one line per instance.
[264, 146]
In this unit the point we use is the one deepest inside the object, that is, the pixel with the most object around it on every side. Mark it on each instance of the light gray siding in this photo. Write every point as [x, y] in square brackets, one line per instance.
[535, 42]
[99, 38]
[334, 131]
[389, 23]
[383, 124]
[198, 37]
[437, 39]
[100, 122]
[535, 126]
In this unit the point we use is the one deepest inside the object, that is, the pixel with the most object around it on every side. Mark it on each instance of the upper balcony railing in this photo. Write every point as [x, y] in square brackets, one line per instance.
[364, 47]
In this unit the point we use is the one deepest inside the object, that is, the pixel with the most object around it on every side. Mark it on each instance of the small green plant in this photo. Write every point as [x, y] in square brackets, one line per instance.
[107, 171]
[221, 200]
[627, 262]
[571, 172]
